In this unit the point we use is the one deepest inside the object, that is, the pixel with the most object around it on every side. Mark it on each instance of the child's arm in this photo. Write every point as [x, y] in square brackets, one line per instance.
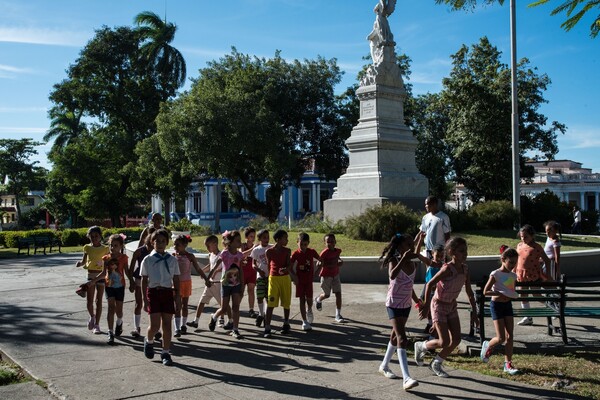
[177, 293]
[101, 275]
[144, 292]
[318, 265]
[406, 257]
[199, 270]
[429, 288]
[419, 239]
[134, 258]
[557, 262]
[546, 262]
[471, 296]
[487, 290]
[425, 260]
[212, 271]
[82, 262]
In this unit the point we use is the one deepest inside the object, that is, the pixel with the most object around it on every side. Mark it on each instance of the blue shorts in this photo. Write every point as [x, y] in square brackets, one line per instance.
[227, 291]
[398, 312]
[501, 310]
[117, 293]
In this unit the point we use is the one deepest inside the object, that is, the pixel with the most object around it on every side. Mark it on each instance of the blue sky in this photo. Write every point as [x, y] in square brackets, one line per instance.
[40, 38]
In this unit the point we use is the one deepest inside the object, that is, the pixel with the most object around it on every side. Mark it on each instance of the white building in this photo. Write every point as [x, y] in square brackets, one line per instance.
[568, 180]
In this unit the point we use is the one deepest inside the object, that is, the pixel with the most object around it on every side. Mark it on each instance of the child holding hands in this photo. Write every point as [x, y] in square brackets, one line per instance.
[448, 284]
[501, 286]
[330, 276]
[302, 264]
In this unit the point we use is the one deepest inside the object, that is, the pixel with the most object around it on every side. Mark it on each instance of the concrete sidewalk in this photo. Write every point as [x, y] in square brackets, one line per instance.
[43, 329]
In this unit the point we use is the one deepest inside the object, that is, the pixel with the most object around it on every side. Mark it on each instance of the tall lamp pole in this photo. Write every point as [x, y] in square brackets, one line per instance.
[515, 110]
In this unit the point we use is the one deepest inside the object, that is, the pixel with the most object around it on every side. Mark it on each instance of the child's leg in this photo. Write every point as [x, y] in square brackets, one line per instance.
[268, 317]
[110, 316]
[91, 291]
[119, 312]
[166, 328]
[454, 329]
[303, 308]
[137, 312]
[509, 324]
[154, 327]
[399, 324]
[199, 310]
[338, 302]
[286, 315]
[184, 306]
[251, 295]
[499, 325]
[443, 339]
[236, 299]
[390, 350]
[99, 294]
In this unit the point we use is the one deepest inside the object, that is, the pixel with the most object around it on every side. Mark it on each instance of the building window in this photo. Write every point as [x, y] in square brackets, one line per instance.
[306, 200]
[12, 201]
[197, 202]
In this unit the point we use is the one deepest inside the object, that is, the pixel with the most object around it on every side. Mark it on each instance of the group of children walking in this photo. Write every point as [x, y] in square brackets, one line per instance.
[446, 275]
[161, 283]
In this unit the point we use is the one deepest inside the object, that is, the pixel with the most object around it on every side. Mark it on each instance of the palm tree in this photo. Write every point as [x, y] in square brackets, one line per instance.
[166, 60]
[65, 126]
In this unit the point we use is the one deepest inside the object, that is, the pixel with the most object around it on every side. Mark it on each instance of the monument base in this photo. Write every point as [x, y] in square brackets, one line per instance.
[338, 209]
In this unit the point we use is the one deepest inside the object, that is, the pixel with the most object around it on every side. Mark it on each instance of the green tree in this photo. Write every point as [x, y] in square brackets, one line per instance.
[478, 96]
[163, 58]
[112, 86]
[251, 120]
[574, 9]
[17, 172]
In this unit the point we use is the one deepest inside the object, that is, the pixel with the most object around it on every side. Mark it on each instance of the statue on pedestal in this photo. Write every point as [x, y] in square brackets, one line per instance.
[381, 35]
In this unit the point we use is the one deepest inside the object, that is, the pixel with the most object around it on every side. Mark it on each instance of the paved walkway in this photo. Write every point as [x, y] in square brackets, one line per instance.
[43, 328]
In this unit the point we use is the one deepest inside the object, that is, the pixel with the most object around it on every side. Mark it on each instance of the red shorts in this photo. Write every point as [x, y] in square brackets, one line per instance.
[249, 273]
[304, 289]
[160, 300]
[443, 312]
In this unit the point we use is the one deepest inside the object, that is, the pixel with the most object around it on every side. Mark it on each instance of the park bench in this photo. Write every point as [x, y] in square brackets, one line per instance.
[24, 243]
[46, 241]
[549, 299]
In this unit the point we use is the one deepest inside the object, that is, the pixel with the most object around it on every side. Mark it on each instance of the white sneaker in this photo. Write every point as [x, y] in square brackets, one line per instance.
[483, 354]
[387, 372]
[306, 326]
[525, 321]
[339, 319]
[309, 316]
[419, 351]
[508, 368]
[436, 367]
[410, 383]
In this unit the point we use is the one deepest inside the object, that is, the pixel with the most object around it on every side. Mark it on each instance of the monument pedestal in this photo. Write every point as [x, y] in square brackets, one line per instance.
[381, 148]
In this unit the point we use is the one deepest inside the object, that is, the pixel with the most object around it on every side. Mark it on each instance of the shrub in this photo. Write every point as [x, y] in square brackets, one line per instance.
[10, 237]
[495, 214]
[316, 223]
[461, 220]
[183, 225]
[201, 230]
[543, 207]
[74, 237]
[259, 223]
[382, 222]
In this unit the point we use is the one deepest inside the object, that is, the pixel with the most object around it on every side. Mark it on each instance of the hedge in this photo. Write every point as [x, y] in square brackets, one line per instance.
[68, 237]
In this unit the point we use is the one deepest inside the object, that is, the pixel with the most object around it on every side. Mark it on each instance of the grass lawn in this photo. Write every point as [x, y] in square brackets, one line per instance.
[479, 242]
[577, 372]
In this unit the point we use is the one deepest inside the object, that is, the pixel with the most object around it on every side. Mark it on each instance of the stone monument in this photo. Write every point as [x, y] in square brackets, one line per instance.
[382, 166]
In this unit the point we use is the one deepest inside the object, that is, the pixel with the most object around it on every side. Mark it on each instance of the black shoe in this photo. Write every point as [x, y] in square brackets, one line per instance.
[166, 359]
[111, 338]
[285, 329]
[148, 349]
[267, 333]
[228, 326]
[157, 336]
[318, 304]
[212, 324]
[119, 330]
[259, 320]
[183, 329]
[177, 333]
[252, 314]
[192, 324]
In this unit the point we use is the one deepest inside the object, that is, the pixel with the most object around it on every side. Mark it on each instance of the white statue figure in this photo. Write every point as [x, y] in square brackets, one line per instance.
[381, 35]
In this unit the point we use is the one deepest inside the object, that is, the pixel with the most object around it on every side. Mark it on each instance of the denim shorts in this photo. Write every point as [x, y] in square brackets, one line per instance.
[227, 291]
[501, 309]
[398, 312]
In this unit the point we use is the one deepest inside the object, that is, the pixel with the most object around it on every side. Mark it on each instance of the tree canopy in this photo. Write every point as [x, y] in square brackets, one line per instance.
[477, 95]
[251, 120]
[114, 88]
[575, 10]
[18, 173]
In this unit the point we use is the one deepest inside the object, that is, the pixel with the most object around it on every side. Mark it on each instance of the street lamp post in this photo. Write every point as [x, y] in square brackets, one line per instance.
[515, 110]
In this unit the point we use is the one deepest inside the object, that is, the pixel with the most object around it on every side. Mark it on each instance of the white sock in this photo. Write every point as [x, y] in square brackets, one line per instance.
[391, 349]
[149, 341]
[261, 311]
[438, 359]
[183, 320]
[337, 312]
[525, 304]
[177, 323]
[403, 364]
[212, 316]
[136, 320]
[119, 321]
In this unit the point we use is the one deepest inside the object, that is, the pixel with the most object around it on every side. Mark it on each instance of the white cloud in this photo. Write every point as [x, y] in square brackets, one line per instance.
[13, 130]
[45, 36]
[16, 110]
[9, 71]
[580, 137]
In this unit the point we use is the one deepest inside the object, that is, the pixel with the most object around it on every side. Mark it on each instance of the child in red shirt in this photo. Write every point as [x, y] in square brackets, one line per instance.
[302, 264]
[330, 276]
